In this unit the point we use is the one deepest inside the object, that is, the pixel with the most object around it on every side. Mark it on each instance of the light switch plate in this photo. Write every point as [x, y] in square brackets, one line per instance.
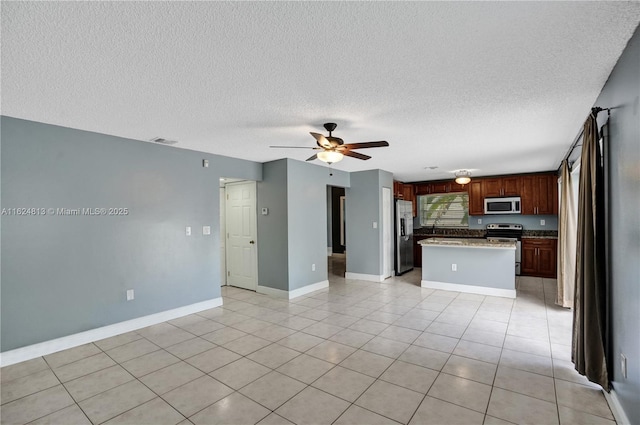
[265, 211]
[187, 231]
[375, 224]
[130, 295]
[542, 222]
[206, 230]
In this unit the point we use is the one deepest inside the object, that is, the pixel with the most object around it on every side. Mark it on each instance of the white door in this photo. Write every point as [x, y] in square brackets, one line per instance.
[242, 265]
[387, 239]
[223, 237]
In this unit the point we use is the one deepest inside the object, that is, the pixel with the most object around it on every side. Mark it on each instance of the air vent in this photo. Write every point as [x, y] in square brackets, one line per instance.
[163, 141]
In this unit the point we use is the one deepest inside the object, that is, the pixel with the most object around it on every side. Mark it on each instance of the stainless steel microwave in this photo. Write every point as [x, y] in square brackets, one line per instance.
[510, 205]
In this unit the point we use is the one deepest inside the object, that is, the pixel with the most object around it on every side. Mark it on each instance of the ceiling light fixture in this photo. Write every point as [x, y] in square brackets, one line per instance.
[330, 156]
[463, 177]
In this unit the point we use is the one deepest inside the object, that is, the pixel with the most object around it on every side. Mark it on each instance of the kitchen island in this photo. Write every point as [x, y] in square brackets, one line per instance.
[472, 265]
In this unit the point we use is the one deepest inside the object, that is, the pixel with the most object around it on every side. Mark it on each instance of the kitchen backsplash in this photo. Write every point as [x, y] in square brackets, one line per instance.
[529, 222]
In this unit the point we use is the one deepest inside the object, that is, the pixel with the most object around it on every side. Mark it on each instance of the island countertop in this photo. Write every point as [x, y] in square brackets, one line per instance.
[467, 243]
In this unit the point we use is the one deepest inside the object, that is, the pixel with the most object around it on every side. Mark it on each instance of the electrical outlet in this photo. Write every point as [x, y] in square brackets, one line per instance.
[205, 163]
[206, 230]
[479, 221]
[187, 231]
[313, 267]
[375, 224]
[130, 295]
[542, 222]
[454, 267]
[623, 365]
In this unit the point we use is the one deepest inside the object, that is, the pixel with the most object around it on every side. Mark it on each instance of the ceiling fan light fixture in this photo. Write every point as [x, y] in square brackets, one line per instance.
[330, 157]
[463, 177]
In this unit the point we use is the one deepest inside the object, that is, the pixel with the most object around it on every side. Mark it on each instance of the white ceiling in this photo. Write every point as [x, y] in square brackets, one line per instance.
[492, 87]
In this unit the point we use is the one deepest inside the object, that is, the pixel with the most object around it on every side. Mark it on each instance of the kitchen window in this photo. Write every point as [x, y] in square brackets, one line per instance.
[444, 210]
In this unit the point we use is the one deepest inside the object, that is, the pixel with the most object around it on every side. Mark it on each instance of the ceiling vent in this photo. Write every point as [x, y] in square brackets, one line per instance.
[163, 141]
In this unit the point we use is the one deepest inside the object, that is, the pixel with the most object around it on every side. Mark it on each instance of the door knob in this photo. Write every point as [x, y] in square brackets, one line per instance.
[252, 242]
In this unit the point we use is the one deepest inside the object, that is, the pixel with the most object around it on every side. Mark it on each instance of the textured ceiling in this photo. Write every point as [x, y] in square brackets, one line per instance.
[493, 87]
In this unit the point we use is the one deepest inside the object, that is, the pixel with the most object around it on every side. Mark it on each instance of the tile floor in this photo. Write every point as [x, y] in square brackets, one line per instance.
[355, 353]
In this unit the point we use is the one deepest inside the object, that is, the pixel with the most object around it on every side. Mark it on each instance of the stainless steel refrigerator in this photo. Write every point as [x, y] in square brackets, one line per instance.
[404, 237]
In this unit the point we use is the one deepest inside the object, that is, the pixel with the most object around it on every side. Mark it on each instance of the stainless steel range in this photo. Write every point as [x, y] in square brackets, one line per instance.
[507, 232]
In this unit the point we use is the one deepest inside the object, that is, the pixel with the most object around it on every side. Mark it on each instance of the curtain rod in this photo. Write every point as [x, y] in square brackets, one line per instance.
[595, 110]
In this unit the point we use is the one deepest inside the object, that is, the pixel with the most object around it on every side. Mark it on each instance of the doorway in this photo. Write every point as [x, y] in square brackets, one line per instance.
[338, 222]
[240, 238]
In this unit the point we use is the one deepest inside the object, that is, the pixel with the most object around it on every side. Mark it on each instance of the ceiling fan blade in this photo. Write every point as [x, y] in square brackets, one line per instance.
[355, 155]
[293, 147]
[321, 140]
[363, 145]
[312, 157]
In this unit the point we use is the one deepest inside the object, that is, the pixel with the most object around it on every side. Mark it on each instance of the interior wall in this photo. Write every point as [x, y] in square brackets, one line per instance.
[67, 273]
[622, 92]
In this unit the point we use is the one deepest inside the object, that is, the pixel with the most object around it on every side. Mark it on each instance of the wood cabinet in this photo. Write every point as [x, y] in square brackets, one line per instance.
[476, 198]
[398, 190]
[409, 195]
[445, 186]
[501, 186]
[539, 257]
[539, 194]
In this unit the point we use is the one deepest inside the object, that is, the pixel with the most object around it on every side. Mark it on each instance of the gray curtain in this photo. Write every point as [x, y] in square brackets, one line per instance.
[590, 300]
[567, 231]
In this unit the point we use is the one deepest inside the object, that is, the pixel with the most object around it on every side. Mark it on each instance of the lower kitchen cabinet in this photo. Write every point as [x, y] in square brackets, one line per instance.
[539, 257]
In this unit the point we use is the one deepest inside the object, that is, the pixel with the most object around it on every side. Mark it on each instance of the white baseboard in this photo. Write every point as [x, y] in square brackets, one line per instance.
[616, 408]
[289, 295]
[367, 277]
[482, 290]
[47, 347]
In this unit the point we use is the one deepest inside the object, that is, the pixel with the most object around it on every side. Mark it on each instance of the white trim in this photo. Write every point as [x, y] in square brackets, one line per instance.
[289, 295]
[616, 408]
[482, 290]
[367, 277]
[47, 347]
[272, 292]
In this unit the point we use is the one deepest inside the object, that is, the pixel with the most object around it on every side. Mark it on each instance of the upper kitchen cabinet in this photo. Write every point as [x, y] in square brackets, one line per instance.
[539, 194]
[446, 186]
[408, 192]
[476, 198]
[398, 190]
[501, 186]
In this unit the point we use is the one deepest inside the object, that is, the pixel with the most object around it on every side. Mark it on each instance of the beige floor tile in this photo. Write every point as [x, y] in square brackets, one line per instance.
[223, 336]
[190, 348]
[583, 398]
[413, 323]
[273, 389]
[566, 371]
[274, 419]
[390, 400]
[446, 329]
[369, 326]
[381, 316]
[370, 364]
[19, 370]
[352, 338]
[273, 356]
[132, 350]
[71, 355]
[312, 406]
[527, 383]
[356, 415]
[115, 401]
[305, 368]
[251, 326]
[246, 344]
[331, 351]
[148, 363]
[385, 347]
[297, 323]
[83, 367]
[473, 350]
[239, 373]
[490, 420]
[341, 320]
[315, 314]
[463, 392]
[574, 417]
[475, 370]
[344, 383]
[203, 327]
[436, 342]
[425, 357]
[155, 411]
[97, 382]
[18, 388]
[118, 340]
[413, 377]
[164, 380]
[183, 321]
[300, 341]
[400, 334]
[484, 337]
[69, 415]
[35, 406]
[521, 409]
[234, 409]
[528, 362]
[437, 412]
[275, 333]
[322, 330]
[213, 359]
[169, 337]
[194, 396]
[487, 325]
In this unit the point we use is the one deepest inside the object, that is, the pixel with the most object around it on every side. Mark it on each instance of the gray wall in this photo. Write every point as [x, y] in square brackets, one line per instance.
[66, 274]
[364, 206]
[529, 222]
[273, 231]
[622, 92]
[307, 220]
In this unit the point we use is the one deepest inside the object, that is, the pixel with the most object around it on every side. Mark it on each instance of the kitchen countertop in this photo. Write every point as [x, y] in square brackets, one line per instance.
[467, 243]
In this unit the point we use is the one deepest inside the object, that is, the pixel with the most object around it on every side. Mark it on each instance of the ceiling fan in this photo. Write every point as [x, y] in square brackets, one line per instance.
[333, 149]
